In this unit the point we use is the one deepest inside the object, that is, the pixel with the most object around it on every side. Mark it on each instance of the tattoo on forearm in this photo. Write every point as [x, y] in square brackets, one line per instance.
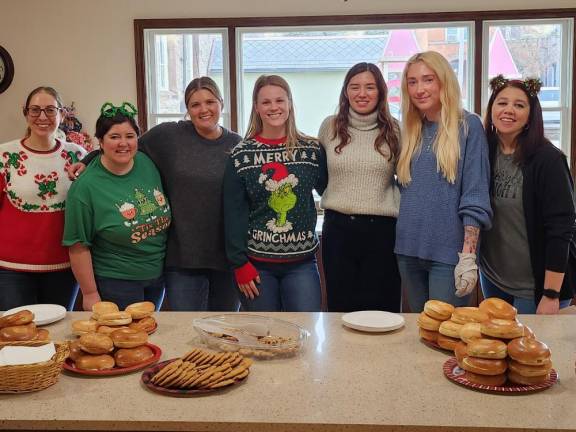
[471, 234]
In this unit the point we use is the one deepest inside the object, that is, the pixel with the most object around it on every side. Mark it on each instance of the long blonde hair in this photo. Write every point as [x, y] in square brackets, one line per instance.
[255, 122]
[446, 143]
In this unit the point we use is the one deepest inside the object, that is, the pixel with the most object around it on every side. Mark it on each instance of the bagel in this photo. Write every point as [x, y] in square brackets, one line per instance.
[141, 310]
[504, 329]
[22, 317]
[450, 328]
[428, 323]
[498, 308]
[487, 348]
[530, 352]
[463, 315]
[438, 310]
[484, 366]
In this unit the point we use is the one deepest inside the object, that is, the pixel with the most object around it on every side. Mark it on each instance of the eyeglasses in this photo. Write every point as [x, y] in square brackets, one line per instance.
[50, 111]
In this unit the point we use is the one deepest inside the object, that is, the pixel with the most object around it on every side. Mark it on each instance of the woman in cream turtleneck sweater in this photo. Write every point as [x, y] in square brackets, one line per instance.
[361, 201]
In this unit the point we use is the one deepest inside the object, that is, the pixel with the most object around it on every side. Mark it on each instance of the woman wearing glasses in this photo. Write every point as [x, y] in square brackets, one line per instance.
[34, 266]
[117, 218]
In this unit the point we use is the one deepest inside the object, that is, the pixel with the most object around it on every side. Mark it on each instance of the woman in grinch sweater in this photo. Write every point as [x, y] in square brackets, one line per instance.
[270, 216]
[34, 266]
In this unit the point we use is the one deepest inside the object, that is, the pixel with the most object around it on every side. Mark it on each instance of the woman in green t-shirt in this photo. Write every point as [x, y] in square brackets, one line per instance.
[117, 217]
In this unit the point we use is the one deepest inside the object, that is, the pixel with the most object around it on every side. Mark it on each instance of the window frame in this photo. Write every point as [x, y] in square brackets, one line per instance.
[150, 57]
[478, 17]
[566, 103]
[240, 31]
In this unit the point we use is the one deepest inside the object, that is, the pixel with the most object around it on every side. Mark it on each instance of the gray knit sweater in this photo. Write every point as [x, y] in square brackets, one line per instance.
[360, 180]
[192, 170]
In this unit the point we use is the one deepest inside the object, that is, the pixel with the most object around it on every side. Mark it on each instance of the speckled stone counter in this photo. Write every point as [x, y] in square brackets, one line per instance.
[344, 381]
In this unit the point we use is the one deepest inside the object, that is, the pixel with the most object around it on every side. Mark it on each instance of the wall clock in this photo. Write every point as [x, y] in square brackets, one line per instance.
[6, 70]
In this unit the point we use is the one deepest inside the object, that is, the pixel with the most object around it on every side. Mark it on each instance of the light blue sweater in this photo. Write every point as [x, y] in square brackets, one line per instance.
[433, 212]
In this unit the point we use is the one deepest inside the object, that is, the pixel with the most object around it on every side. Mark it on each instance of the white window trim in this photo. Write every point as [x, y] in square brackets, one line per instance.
[150, 67]
[240, 31]
[566, 72]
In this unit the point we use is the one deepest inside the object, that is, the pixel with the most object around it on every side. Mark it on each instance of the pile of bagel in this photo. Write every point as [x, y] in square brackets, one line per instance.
[489, 343]
[113, 338]
[20, 327]
[107, 317]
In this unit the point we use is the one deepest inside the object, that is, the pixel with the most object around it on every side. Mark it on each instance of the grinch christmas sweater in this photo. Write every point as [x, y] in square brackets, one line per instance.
[33, 190]
[269, 211]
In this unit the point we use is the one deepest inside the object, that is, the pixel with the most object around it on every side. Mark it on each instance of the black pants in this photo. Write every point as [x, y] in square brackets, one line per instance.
[26, 288]
[359, 263]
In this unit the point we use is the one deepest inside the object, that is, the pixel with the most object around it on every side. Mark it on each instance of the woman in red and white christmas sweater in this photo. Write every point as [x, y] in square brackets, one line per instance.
[269, 212]
[34, 266]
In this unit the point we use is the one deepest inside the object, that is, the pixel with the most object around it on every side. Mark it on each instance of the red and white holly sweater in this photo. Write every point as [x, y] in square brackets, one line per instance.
[33, 190]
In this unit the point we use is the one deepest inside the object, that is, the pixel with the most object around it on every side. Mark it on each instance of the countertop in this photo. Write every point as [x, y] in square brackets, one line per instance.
[343, 381]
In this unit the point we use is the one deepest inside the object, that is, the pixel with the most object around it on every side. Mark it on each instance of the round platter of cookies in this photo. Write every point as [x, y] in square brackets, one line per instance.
[196, 373]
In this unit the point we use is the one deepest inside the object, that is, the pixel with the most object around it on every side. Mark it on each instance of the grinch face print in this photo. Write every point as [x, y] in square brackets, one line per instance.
[282, 198]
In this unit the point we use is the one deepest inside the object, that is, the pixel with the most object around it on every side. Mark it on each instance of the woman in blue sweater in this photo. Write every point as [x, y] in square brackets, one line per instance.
[443, 172]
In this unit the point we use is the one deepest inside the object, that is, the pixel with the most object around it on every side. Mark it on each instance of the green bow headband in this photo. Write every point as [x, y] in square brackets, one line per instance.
[109, 110]
[531, 85]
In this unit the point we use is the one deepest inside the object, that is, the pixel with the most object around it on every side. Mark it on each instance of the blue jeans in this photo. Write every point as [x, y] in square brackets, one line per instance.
[201, 290]
[428, 280]
[524, 306]
[289, 287]
[124, 292]
[26, 288]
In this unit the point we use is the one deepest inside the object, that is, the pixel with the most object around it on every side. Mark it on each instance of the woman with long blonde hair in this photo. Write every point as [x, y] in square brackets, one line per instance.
[269, 211]
[443, 172]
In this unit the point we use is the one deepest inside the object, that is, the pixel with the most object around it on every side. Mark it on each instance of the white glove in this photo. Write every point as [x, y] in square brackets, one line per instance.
[465, 274]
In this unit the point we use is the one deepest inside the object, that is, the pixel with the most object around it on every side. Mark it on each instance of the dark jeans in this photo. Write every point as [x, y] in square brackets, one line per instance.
[201, 290]
[26, 288]
[359, 263]
[124, 292]
[289, 287]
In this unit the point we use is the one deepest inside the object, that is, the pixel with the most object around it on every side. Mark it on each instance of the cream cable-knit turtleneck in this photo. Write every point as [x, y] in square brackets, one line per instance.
[360, 180]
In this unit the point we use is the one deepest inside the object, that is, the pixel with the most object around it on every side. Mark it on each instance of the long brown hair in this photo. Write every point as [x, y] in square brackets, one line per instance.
[387, 125]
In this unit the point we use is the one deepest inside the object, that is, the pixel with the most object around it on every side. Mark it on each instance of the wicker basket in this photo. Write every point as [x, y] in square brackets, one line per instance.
[36, 376]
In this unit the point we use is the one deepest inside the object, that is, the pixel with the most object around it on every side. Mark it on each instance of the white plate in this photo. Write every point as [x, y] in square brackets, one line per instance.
[43, 313]
[373, 321]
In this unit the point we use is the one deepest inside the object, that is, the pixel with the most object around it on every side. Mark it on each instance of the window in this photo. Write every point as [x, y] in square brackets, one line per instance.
[314, 53]
[174, 58]
[162, 62]
[315, 61]
[535, 48]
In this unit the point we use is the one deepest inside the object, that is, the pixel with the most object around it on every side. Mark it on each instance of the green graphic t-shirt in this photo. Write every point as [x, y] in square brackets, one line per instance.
[123, 219]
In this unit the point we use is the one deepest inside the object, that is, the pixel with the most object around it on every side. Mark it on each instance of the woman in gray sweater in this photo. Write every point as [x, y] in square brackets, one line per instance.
[361, 200]
[191, 156]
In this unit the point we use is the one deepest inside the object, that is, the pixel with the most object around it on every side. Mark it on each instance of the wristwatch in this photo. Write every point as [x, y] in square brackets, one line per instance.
[550, 293]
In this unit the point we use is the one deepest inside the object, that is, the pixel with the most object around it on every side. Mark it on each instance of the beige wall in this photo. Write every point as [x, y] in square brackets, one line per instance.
[85, 48]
